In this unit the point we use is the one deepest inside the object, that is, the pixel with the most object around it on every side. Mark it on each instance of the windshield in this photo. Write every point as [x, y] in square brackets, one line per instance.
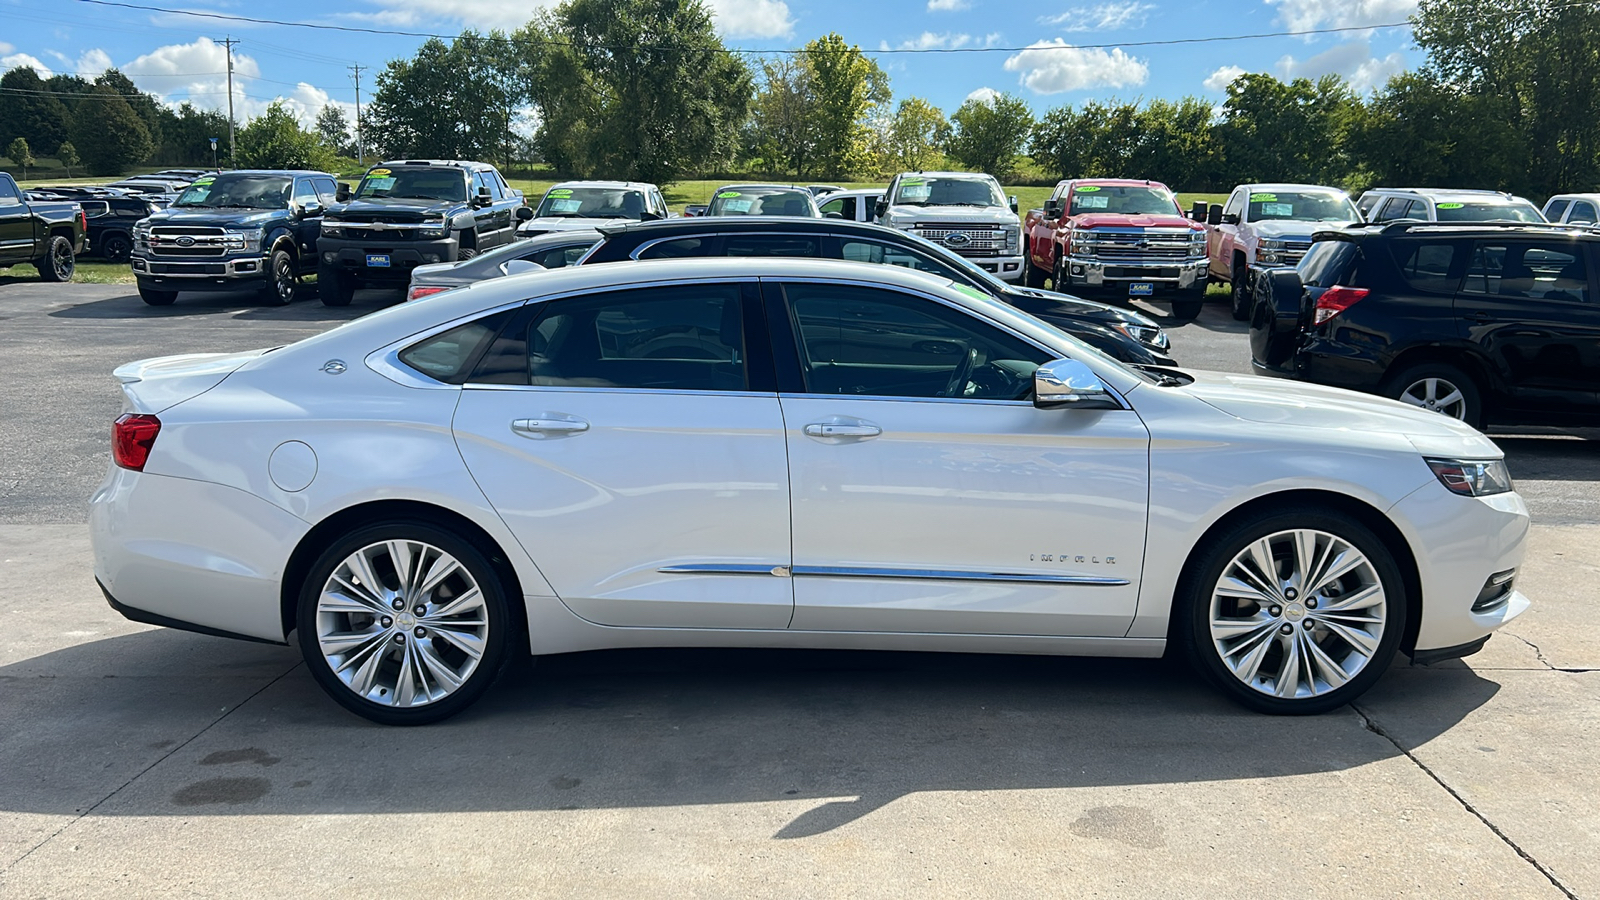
[237, 192]
[1321, 206]
[419, 183]
[591, 203]
[762, 202]
[1487, 212]
[933, 191]
[1128, 200]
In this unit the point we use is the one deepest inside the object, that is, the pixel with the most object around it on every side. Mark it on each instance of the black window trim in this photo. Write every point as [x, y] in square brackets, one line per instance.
[1583, 249]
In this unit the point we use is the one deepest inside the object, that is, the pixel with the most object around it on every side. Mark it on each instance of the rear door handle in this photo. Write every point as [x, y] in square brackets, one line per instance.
[549, 424]
[1481, 317]
[837, 430]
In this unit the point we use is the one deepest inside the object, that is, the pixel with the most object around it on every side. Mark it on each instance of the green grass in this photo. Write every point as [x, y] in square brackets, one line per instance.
[101, 272]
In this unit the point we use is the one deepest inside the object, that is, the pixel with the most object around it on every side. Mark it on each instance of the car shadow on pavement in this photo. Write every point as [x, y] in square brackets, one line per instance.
[169, 723]
[236, 305]
[1552, 457]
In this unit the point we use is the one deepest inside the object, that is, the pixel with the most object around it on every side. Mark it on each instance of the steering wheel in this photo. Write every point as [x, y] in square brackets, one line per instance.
[963, 372]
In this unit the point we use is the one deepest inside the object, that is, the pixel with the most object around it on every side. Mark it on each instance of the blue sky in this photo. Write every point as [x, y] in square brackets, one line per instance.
[1048, 52]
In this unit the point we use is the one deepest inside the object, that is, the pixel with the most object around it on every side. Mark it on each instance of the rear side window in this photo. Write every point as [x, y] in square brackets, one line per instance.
[844, 207]
[1428, 265]
[1328, 263]
[1534, 271]
[785, 245]
[683, 248]
[450, 356]
[857, 250]
[1583, 211]
[558, 257]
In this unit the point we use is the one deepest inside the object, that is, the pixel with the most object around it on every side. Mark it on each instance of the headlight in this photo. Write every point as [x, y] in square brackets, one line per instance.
[434, 228]
[1270, 252]
[332, 229]
[245, 237]
[1472, 477]
[1150, 336]
[1013, 238]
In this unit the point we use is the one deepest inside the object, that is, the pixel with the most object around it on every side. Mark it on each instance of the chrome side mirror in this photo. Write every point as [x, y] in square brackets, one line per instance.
[522, 267]
[1069, 383]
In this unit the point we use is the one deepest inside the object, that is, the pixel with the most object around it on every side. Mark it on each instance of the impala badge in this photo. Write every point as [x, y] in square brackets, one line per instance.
[334, 367]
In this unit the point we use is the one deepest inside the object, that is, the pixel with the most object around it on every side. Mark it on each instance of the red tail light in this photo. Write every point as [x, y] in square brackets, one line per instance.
[83, 220]
[1336, 300]
[131, 439]
[418, 292]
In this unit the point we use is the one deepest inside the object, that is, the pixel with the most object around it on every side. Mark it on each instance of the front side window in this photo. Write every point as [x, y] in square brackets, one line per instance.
[8, 193]
[231, 191]
[687, 338]
[1533, 270]
[1428, 265]
[857, 250]
[858, 341]
[327, 190]
[1583, 211]
[304, 193]
[843, 207]
[1555, 209]
[413, 183]
[1235, 204]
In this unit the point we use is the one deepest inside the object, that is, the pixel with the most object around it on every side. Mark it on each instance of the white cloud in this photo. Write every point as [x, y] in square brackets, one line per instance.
[1103, 16]
[930, 41]
[88, 65]
[18, 60]
[752, 18]
[947, 5]
[483, 14]
[5, 47]
[196, 72]
[1353, 60]
[1221, 78]
[1304, 15]
[1050, 67]
[984, 95]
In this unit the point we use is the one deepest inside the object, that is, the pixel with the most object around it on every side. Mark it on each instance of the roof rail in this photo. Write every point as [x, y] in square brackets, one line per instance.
[1409, 225]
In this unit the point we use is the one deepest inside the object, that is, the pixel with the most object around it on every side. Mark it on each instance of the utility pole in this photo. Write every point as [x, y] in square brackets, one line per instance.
[233, 155]
[361, 152]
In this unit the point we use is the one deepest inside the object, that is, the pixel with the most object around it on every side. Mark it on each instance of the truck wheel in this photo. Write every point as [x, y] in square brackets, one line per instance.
[1032, 275]
[155, 297]
[466, 253]
[283, 285]
[1186, 306]
[58, 262]
[335, 287]
[116, 247]
[1058, 276]
[1240, 298]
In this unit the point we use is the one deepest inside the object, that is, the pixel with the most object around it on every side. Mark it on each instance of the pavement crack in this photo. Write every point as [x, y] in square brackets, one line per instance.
[1373, 726]
[1574, 670]
[141, 773]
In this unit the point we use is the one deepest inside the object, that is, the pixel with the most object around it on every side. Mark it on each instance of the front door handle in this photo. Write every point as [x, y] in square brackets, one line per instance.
[1481, 317]
[839, 430]
[548, 424]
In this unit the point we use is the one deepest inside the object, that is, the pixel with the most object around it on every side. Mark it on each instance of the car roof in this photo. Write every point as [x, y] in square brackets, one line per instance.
[1444, 193]
[629, 185]
[268, 172]
[1286, 186]
[971, 175]
[1572, 197]
[719, 224]
[440, 163]
[763, 185]
[1141, 182]
[1358, 231]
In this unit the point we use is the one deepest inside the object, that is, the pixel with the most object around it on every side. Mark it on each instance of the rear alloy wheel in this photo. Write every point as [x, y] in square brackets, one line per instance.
[1296, 612]
[283, 284]
[1439, 388]
[58, 262]
[403, 623]
[116, 247]
[157, 298]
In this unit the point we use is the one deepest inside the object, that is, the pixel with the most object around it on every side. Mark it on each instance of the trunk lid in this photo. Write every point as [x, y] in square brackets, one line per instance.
[160, 383]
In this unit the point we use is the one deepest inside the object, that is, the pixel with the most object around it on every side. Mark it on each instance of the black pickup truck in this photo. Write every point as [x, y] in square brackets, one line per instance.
[47, 234]
[409, 213]
[247, 230]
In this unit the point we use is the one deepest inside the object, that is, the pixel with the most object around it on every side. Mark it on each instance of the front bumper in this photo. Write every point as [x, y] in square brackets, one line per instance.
[191, 554]
[1163, 274]
[1460, 543]
[352, 255]
[230, 273]
[1008, 268]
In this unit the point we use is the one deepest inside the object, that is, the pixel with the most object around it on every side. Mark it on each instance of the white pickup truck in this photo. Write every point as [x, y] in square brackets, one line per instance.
[963, 211]
[585, 205]
[1268, 225]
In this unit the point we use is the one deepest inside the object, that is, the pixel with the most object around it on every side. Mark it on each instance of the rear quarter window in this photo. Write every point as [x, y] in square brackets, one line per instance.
[1429, 265]
[450, 355]
[1328, 263]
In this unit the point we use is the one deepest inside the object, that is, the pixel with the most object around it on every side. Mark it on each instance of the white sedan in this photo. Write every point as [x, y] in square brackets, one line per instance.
[786, 453]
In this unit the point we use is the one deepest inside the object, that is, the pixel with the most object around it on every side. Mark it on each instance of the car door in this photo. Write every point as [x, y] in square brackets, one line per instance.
[636, 450]
[16, 226]
[928, 494]
[485, 219]
[307, 227]
[1530, 305]
[1221, 238]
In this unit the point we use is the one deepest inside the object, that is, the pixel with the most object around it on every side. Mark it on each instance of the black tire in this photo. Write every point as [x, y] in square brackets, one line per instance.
[466, 253]
[283, 282]
[1058, 275]
[1032, 275]
[155, 297]
[334, 286]
[116, 247]
[58, 262]
[1215, 556]
[1446, 379]
[1187, 304]
[1240, 296]
[495, 643]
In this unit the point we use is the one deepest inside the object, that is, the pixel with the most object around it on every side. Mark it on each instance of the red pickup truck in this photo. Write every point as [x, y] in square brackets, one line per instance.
[1117, 235]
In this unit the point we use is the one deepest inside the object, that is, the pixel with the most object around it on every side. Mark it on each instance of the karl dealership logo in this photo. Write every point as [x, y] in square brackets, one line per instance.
[958, 239]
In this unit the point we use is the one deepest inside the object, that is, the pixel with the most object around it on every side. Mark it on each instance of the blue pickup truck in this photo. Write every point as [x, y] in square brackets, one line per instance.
[248, 230]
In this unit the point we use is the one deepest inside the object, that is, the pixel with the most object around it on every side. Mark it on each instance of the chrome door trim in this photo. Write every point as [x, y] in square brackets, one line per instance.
[950, 575]
[725, 569]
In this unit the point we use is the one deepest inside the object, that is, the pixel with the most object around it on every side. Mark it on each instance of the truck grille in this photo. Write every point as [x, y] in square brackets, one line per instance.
[1114, 246]
[982, 240]
[188, 241]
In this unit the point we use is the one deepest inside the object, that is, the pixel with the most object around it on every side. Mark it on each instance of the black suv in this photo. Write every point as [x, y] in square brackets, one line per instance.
[409, 213]
[1122, 334]
[1484, 322]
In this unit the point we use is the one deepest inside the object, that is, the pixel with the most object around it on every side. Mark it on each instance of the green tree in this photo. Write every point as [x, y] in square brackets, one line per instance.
[1413, 134]
[846, 87]
[29, 110]
[639, 89]
[150, 111]
[783, 117]
[333, 129]
[275, 140]
[67, 155]
[186, 134]
[452, 101]
[1273, 130]
[111, 133]
[913, 135]
[986, 135]
[20, 154]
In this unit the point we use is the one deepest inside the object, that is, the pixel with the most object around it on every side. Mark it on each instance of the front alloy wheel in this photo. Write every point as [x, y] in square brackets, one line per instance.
[403, 624]
[1299, 616]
